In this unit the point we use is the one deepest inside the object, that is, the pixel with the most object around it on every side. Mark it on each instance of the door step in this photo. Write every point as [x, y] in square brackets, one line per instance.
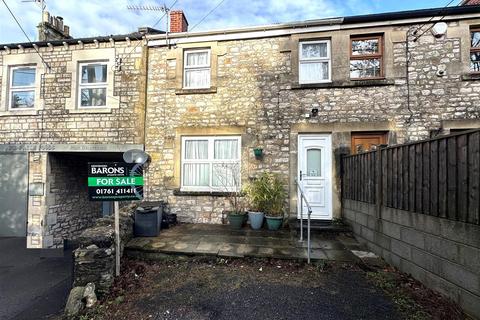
[320, 226]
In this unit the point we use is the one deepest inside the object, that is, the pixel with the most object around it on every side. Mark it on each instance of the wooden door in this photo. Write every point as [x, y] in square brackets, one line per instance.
[367, 141]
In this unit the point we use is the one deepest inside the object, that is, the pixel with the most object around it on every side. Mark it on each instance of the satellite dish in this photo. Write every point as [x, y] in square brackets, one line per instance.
[135, 156]
[439, 29]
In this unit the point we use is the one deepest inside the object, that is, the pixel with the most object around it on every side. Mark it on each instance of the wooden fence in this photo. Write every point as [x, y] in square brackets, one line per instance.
[438, 177]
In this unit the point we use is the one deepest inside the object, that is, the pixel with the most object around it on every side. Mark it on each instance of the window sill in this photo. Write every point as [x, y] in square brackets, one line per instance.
[471, 77]
[15, 113]
[178, 192]
[90, 110]
[196, 91]
[346, 84]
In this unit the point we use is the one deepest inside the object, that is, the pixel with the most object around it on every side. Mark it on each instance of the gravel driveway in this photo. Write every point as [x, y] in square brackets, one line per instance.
[244, 289]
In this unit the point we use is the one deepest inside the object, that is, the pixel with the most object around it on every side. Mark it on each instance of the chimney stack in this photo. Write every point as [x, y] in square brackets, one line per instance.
[470, 2]
[52, 28]
[178, 21]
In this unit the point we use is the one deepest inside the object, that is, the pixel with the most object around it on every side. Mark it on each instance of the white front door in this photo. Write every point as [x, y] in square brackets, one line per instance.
[315, 174]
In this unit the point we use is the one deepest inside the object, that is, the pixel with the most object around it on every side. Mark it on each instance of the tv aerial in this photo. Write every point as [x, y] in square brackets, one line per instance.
[41, 3]
[137, 7]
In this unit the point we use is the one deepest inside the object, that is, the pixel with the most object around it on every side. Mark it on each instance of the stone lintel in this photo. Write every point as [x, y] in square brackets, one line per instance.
[68, 147]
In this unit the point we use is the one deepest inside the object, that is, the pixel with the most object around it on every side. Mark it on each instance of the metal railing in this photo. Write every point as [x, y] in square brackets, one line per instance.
[309, 208]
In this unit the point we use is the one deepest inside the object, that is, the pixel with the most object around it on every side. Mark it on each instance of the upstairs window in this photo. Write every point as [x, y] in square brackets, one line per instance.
[211, 163]
[93, 84]
[314, 62]
[196, 69]
[366, 57]
[22, 88]
[475, 50]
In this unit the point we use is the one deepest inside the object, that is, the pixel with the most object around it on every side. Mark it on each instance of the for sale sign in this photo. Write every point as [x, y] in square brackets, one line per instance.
[115, 181]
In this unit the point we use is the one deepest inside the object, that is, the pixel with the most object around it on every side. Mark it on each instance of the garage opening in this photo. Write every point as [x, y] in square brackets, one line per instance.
[69, 209]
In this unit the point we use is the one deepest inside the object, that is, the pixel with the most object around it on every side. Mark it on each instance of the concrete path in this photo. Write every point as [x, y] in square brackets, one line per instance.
[34, 284]
[221, 241]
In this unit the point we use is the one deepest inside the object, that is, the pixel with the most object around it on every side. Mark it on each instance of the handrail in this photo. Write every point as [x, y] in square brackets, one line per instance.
[309, 208]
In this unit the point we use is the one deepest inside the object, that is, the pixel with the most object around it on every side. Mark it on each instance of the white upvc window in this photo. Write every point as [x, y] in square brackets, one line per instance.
[92, 84]
[211, 163]
[196, 69]
[314, 62]
[22, 87]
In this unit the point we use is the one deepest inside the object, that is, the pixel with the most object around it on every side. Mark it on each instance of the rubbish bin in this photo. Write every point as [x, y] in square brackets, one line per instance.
[148, 219]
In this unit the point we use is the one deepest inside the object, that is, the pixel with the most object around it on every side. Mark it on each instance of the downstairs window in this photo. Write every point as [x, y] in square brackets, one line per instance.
[210, 163]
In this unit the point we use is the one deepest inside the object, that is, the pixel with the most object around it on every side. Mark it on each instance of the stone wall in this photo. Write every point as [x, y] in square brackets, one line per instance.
[69, 209]
[94, 259]
[257, 95]
[442, 254]
[56, 119]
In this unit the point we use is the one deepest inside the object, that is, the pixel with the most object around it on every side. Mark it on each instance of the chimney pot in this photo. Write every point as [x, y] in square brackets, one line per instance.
[52, 28]
[178, 21]
[59, 24]
[46, 16]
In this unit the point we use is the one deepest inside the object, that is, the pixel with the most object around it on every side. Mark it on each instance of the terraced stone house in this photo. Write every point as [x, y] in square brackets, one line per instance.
[64, 102]
[200, 103]
[305, 93]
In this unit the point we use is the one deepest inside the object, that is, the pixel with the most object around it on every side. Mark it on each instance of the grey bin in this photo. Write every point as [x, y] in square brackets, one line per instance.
[148, 219]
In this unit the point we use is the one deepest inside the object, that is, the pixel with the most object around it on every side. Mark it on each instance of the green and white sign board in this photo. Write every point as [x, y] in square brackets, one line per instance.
[115, 181]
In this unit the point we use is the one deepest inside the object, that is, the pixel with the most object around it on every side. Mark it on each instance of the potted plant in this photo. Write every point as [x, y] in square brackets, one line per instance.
[256, 201]
[228, 179]
[275, 201]
[266, 195]
[236, 215]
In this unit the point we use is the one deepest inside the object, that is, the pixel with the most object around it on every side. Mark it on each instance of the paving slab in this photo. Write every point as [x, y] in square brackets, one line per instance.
[220, 240]
[340, 255]
[318, 254]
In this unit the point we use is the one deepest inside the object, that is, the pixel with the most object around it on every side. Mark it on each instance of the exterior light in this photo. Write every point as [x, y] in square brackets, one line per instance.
[136, 156]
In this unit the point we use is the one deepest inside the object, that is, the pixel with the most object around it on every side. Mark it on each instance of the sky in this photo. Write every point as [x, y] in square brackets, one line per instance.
[88, 18]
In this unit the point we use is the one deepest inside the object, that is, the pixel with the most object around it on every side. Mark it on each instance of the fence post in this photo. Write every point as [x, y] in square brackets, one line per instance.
[342, 182]
[379, 182]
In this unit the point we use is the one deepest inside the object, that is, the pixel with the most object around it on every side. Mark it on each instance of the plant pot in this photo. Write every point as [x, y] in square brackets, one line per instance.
[256, 219]
[274, 223]
[258, 152]
[236, 220]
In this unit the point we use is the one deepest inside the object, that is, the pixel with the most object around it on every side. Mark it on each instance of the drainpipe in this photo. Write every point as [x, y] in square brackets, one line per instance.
[407, 75]
[145, 109]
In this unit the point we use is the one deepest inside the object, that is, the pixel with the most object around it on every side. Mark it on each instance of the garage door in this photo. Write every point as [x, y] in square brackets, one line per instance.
[13, 194]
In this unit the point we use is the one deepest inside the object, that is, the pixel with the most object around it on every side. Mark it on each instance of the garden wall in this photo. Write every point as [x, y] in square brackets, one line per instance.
[443, 254]
[94, 259]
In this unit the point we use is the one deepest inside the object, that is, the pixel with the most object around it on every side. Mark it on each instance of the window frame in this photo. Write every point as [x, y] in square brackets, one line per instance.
[95, 85]
[369, 56]
[327, 59]
[198, 67]
[473, 49]
[210, 161]
[12, 89]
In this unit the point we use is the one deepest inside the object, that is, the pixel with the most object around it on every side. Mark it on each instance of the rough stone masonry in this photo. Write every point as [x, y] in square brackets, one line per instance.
[255, 94]
[62, 210]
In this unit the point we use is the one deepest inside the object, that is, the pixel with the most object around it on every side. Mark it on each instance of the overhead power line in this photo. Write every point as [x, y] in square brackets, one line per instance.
[430, 20]
[204, 17]
[26, 35]
[166, 11]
